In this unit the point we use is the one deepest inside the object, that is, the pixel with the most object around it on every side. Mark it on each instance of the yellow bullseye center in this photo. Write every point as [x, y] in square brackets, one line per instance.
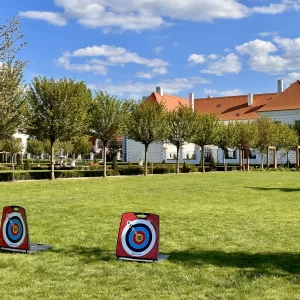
[15, 229]
[139, 237]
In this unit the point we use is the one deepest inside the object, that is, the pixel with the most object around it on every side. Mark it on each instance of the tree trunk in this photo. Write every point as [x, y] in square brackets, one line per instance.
[145, 168]
[247, 159]
[202, 159]
[52, 160]
[104, 158]
[13, 169]
[224, 160]
[177, 159]
[287, 157]
[261, 161]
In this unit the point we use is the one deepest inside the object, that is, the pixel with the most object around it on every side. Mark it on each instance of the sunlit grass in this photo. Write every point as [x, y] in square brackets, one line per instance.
[229, 236]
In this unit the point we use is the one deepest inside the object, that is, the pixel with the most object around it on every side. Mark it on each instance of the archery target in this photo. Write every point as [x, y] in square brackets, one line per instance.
[138, 237]
[14, 229]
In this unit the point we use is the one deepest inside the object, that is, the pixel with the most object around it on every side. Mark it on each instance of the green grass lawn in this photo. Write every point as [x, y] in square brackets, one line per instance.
[229, 236]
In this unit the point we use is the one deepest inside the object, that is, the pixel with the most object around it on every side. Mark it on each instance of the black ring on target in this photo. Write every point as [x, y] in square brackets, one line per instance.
[13, 222]
[130, 242]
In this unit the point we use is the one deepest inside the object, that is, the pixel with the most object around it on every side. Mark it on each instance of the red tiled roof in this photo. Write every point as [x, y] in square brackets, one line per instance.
[233, 107]
[170, 101]
[288, 99]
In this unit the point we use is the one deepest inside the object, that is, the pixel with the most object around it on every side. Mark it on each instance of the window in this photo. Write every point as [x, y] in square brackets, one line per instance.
[230, 154]
[252, 154]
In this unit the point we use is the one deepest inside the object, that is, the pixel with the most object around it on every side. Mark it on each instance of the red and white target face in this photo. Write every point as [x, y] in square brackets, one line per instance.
[138, 237]
[14, 229]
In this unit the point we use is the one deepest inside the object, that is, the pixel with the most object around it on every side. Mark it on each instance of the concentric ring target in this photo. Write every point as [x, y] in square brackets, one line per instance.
[13, 229]
[138, 237]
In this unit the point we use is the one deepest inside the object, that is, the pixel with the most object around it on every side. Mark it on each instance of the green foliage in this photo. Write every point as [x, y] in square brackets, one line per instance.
[58, 110]
[12, 105]
[35, 147]
[27, 164]
[109, 119]
[246, 134]
[12, 145]
[47, 147]
[67, 146]
[207, 132]
[82, 145]
[148, 124]
[182, 124]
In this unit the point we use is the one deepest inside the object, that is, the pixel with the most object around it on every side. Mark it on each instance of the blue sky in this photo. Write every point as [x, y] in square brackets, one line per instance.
[127, 48]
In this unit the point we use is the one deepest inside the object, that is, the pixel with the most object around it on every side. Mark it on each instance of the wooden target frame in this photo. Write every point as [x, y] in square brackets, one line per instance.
[297, 157]
[270, 148]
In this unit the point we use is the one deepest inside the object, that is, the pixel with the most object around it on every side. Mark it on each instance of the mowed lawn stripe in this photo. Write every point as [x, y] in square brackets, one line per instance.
[231, 235]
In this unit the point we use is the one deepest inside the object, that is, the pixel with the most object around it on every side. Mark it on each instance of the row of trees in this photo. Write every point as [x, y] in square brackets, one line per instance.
[64, 110]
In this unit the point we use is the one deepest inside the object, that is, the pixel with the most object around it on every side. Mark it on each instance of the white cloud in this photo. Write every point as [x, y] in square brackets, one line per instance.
[153, 73]
[271, 9]
[290, 78]
[148, 14]
[233, 92]
[51, 17]
[256, 47]
[195, 59]
[111, 56]
[270, 58]
[291, 47]
[225, 65]
[171, 86]
[158, 49]
[213, 56]
[268, 33]
[174, 44]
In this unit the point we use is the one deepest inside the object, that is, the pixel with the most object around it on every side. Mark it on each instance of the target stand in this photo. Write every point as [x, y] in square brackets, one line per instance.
[138, 238]
[14, 236]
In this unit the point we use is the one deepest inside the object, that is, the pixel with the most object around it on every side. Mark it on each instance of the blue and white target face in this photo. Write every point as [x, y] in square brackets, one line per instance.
[13, 229]
[138, 237]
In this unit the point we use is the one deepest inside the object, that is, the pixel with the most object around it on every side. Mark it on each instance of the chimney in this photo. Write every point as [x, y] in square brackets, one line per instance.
[250, 99]
[279, 86]
[160, 90]
[191, 101]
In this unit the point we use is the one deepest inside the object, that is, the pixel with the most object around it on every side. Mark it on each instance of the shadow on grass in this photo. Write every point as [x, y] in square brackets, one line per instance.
[260, 263]
[87, 254]
[273, 189]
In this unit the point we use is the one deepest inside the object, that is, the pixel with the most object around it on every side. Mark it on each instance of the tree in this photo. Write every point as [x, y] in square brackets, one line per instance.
[67, 146]
[35, 147]
[266, 135]
[82, 145]
[226, 138]
[207, 132]
[182, 122]
[114, 148]
[13, 146]
[58, 110]
[148, 124]
[12, 102]
[108, 119]
[287, 138]
[245, 138]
